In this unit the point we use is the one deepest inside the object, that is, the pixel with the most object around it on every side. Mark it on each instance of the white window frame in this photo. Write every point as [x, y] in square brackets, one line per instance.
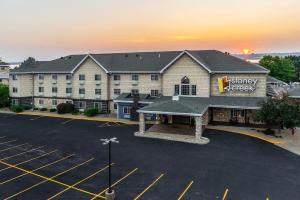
[81, 89]
[98, 75]
[15, 90]
[118, 92]
[15, 102]
[154, 79]
[68, 77]
[99, 107]
[41, 89]
[67, 90]
[80, 76]
[41, 102]
[14, 77]
[115, 77]
[127, 109]
[154, 93]
[83, 104]
[54, 100]
[41, 76]
[99, 90]
[54, 76]
[54, 90]
[134, 77]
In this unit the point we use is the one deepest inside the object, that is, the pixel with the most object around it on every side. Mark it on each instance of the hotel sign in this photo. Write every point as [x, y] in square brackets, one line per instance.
[237, 84]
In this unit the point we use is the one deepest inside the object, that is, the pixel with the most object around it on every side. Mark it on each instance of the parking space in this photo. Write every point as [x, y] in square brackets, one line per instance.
[55, 158]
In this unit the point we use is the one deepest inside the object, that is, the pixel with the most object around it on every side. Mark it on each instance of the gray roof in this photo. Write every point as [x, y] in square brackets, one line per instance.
[127, 97]
[271, 79]
[294, 93]
[3, 63]
[198, 105]
[154, 62]
[4, 76]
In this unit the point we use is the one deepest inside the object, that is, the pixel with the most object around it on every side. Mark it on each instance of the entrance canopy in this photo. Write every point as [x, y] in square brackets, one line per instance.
[197, 106]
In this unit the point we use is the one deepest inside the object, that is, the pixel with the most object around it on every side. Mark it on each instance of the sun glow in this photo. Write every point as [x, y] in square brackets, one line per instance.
[246, 51]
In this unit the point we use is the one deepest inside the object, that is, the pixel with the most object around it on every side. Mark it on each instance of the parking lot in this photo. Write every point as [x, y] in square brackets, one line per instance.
[55, 158]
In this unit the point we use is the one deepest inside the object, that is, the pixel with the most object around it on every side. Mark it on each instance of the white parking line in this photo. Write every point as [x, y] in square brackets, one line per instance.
[67, 121]
[2, 137]
[36, 118]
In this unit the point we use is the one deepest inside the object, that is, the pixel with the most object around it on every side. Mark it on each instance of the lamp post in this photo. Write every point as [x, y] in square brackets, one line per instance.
[109, 194]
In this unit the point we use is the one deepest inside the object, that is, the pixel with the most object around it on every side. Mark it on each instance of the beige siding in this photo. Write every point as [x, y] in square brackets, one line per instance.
[89, 68]
[4, 81]
[144, 84]
[260, 86]
[186, 66]
[24, 85]
[48, 102]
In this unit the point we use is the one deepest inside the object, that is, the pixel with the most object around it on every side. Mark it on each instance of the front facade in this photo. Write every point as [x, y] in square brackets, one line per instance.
[115, 83]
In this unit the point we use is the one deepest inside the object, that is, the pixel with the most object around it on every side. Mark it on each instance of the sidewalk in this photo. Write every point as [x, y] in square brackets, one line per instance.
[98, 118]
[288, 141]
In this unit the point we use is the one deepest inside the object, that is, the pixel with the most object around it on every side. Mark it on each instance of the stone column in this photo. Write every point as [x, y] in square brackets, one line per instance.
[170, 119]
[142, 123]
[198, 127]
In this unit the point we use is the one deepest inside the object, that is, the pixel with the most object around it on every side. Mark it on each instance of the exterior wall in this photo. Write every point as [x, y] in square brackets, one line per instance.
[260, 86]
[24, 85]
[48, 102]
[186, 66]
[89, 68]
[205, 118]
[4, 81]
[126, 84]
[121, 115]
[221, 114]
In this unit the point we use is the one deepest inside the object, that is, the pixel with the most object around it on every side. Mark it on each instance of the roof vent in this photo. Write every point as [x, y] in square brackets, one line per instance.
[227, 53]
[70, 57]
[158, 55]
[126, 55]
[141, 57]
[175, 98]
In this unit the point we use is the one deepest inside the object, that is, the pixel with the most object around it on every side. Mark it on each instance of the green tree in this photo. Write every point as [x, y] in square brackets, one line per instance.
[29, 62]
[280, 68]
[296, 62]
[4, 95]
[279, 113]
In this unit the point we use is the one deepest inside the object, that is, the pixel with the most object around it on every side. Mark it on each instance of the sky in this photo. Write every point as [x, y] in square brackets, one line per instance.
[47, 29]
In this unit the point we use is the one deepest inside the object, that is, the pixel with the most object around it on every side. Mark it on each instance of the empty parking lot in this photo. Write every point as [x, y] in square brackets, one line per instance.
[54, 158]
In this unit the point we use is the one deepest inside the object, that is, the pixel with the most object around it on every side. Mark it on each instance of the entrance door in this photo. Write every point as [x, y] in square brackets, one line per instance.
[177, 119]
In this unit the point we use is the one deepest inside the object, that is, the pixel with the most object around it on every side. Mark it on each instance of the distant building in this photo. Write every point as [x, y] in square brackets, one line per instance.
[4, 72]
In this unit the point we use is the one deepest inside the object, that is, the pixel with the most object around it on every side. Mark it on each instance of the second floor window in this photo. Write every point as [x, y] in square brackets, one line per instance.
[41, 89]
[68, 90]
[54, 102]
[117, 91]
[41, 101]
[117, 77]
[185, 88]
[98, 91]
[154, 77]
[14, 77]
[81, 91]
[54, 76]
[134, 77]
[97, 77]
[81, 77]
[15, 90]
[68, 77]
[41, 77]
[54, 89]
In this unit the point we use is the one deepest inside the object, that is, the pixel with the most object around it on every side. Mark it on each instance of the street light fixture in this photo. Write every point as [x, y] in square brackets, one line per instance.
[110, 194]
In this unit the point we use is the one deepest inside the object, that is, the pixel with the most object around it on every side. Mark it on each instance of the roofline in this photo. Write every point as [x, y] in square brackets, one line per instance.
[294, 97]
[88, 56]
[136, 72]
[124, 101]
[177, 57]
[54, 72]
[173, 113]
[241, 72]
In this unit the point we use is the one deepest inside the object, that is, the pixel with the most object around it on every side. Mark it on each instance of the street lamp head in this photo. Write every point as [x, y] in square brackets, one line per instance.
[109, 140]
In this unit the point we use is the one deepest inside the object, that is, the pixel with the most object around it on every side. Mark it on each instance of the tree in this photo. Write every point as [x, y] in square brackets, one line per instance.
[4, 95]
[29, 62]
[280, 68]
[279, 113]
[296, 62]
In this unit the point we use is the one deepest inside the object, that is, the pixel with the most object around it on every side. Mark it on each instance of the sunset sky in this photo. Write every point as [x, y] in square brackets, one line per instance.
[46, 29]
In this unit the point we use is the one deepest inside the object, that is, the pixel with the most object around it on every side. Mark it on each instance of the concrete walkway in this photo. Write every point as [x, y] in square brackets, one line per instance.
[288, 141]
[97, 118]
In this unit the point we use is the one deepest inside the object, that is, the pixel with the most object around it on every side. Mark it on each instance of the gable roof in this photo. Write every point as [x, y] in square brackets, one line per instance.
[145, 62]
[294, 93]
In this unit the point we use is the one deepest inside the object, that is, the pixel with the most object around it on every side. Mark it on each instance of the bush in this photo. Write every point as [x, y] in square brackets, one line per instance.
[52, 110]
[65, 108]
[269, 132]
[91, 112]
[43, 109]
[17, 109]
[27, 107]
[35, 109]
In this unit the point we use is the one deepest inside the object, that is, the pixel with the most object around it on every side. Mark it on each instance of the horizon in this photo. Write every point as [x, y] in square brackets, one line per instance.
[101, 26]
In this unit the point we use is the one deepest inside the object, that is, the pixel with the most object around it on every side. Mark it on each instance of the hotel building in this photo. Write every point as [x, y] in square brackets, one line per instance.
[189, 87]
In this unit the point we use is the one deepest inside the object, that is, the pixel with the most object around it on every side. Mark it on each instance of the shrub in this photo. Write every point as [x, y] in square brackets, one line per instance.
[43, 109]
[16, 109]
[269, 132]
[52, 110]
[35, 109]
[26, 107]
[65, 108]
[91, 112]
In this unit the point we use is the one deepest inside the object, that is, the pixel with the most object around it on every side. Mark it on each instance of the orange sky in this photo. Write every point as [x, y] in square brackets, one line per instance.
[51, 28]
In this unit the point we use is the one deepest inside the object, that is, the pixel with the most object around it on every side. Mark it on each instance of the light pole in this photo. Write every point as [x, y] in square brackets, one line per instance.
[109, 194]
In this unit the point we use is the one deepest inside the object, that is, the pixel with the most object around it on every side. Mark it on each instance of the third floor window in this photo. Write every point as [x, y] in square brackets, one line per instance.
[41, 77]
[97, 77]
[81, 77]
[41, 89]
[134, 77]
[81, 91]
[68, 77]
[117, 77]
[54, 76]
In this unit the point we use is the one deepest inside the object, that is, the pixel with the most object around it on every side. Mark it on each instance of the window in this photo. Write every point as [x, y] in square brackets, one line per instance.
[68, 90]
[98, 105]
[81, 91]
[15, 102]
[185, 80]
[176, 90]
[54, 89]
[14, 77]
[15, 90]
[194, 90]
[115, 106]
[117, 77]
[154, 77]
[81, 104]
[54, 76]
[41, 89]
[41, 77]
[54, 102]
[97, 77]
[41, 101]
[117, 91]
[98, 91]
[68, 77]
[126, 110]
[154, 93]
[185, 89]
[69, 102]
[134, 91]
[81, 77]
[238, 113]
[134, 77]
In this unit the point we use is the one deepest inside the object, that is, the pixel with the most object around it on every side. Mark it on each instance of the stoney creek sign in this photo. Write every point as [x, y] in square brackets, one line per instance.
[237, 84]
